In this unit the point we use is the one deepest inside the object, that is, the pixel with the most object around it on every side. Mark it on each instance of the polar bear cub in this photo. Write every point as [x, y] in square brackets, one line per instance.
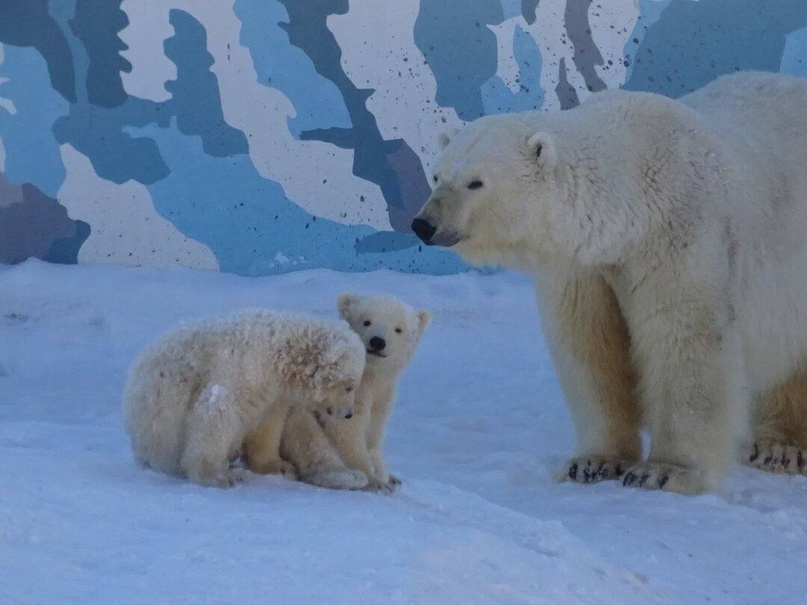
[192, 396]
[347, 453]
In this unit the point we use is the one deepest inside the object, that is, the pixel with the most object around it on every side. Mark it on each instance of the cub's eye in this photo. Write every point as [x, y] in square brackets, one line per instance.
[434, 178]
[475, 185]
[367, 323]
[398, 330]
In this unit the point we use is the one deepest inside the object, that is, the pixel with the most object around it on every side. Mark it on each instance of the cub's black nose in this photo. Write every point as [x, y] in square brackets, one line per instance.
[377, 344]
[423, 229]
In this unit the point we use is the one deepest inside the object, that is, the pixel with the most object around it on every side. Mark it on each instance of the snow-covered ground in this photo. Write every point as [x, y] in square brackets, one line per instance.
[478, 428]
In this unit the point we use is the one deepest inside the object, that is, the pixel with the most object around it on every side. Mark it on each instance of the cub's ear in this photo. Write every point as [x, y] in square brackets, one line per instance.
[424, 319]
[346, 303]
[444, 138]
[541, 146]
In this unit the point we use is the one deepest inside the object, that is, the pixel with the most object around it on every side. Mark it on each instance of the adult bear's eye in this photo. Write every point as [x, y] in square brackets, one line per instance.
[398, 330]
[434, 178]
[475, 185]
[367, 323]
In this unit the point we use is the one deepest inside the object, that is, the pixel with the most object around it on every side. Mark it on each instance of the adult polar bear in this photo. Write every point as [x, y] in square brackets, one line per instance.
[669, 244]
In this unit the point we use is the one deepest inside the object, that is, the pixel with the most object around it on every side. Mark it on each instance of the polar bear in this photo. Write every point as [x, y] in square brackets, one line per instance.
[191, 397]
[347, 453]
[668, 239]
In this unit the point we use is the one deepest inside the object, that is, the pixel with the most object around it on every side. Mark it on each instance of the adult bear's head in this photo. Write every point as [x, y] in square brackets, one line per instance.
[519, 190]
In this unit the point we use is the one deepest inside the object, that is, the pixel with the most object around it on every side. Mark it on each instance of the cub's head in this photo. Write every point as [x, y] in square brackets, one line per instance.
[334, 363]
[389, 328]
[493, 188]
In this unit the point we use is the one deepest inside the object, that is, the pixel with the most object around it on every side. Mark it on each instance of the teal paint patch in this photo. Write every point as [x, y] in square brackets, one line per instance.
[285, 67]
[694, 42]
[32, 153]
[794, 57]
[499, 98]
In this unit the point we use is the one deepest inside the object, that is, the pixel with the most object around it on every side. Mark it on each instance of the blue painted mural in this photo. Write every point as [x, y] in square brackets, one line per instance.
[265, 136]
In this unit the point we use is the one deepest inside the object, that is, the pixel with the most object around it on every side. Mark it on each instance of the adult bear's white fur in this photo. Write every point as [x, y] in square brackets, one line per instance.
[193, 395]
[347, 454]
[669, 242]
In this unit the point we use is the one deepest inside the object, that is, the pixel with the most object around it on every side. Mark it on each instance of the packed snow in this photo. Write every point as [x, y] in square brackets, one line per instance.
[478, 429]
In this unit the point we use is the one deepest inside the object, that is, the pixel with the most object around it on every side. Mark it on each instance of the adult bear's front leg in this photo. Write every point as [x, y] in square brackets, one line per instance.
[590, 346]
[688, 350]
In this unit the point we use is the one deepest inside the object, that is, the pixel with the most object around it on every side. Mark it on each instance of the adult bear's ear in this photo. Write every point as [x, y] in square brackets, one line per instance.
[444, 138]
[541, 147]
[424, 319]
[346, 303]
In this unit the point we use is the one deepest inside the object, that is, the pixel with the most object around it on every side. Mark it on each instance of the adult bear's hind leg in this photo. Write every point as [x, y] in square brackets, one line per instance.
[780, 429]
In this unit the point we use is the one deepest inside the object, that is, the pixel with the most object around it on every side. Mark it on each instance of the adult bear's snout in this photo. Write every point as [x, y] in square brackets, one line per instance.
[424, 230]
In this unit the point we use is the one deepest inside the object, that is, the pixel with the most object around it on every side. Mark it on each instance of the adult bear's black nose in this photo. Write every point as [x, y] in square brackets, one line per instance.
[423, 229]
[377, 343]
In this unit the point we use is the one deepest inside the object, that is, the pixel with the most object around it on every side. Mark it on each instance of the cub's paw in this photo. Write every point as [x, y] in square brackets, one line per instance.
[225, 479]
[275, 467]
[384, 486]
[778, 458]
[592, 469]
[667, 477]
[339, 479]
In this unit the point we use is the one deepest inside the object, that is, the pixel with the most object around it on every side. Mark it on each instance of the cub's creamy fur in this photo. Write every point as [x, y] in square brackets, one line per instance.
[193, 395]
[347, 453]
[669, 243]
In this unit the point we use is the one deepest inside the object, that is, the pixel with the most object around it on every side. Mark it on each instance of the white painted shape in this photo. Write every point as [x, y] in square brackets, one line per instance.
[316, 176]
[125, 227]
[507, 68]
[549, 32]
[379, 52]
[611, 42]
[147, 30]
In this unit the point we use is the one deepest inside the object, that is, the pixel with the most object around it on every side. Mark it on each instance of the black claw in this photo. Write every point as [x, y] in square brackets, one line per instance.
[663, 481]
[800, 460]
[755, 455]
[573, 472]
[643, 479]
[619, 470]
[768, 460]
[628, 480]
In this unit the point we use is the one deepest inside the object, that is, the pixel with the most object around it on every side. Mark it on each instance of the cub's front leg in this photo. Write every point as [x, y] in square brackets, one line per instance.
[590, 346]
[261, 447]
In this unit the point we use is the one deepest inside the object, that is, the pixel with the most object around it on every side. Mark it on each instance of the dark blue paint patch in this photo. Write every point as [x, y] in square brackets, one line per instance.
[694, 42]
[28, 23]
[99, 132]
[567, 94]
[116, 156]
[196, 99]
[528, 9]
[31, 226]
[285, 67]
[498, 97]
[96, 24]
[64, 250]
[460, 49]
[586, 54]
[374, 159]
[250, 225]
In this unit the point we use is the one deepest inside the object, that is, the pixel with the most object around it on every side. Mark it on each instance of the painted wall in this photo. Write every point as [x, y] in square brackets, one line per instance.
[263, 136]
